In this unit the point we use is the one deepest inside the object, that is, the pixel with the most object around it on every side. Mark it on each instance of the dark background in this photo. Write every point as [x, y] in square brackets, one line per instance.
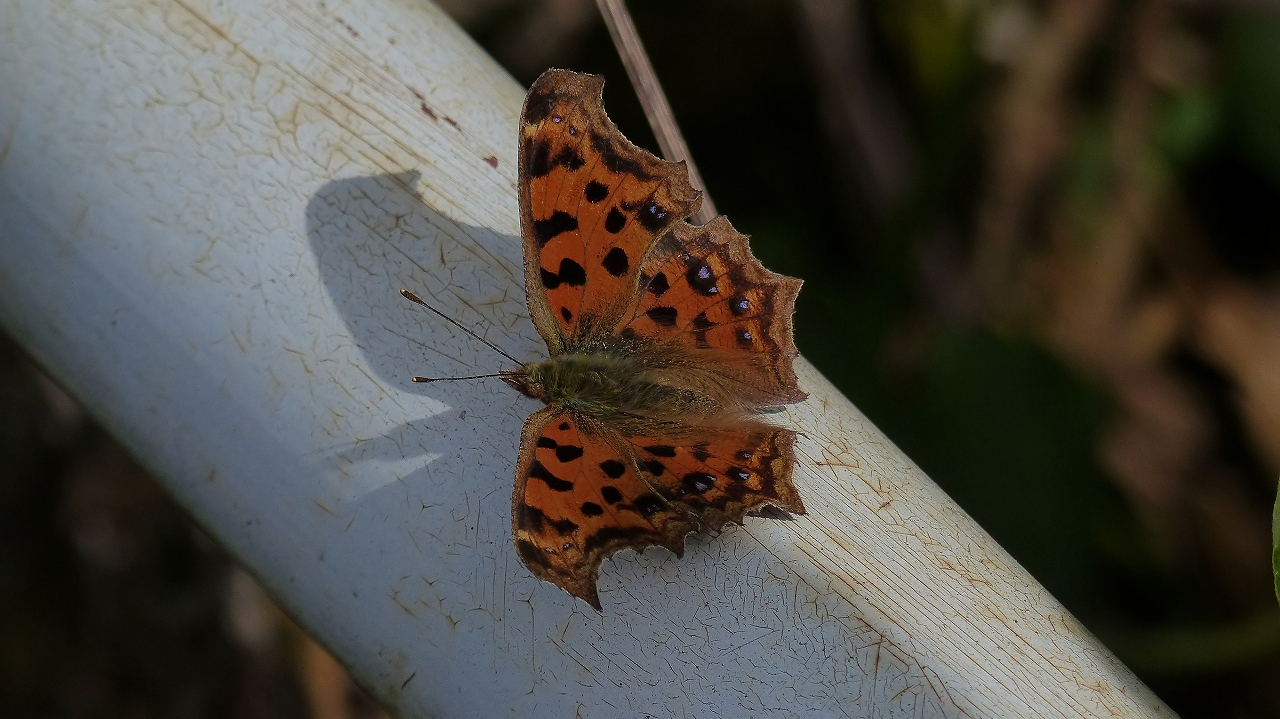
[1041, 252]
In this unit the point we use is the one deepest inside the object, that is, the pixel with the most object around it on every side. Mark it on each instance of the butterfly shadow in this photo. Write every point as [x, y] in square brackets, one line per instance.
[371, 237]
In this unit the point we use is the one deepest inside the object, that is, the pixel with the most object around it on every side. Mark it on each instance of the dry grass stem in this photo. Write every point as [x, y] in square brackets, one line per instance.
[653, 99]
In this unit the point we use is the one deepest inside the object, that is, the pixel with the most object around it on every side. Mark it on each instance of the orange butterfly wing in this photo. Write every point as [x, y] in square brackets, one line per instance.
[579, 498]
[720, 475]
[702, 287]
[591, 206]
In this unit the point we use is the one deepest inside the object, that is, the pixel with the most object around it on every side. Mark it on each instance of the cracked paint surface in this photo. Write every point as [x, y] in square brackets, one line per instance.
[209, 208]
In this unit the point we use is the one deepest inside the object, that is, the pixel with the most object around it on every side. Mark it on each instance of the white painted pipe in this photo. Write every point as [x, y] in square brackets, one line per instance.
[207, 208]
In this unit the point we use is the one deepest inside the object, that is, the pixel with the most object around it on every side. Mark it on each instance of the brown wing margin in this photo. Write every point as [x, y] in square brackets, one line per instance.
[591, 206]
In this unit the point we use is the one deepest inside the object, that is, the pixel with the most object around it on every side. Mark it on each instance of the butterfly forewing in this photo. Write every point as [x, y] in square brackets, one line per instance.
[591, 205]
[579, 498]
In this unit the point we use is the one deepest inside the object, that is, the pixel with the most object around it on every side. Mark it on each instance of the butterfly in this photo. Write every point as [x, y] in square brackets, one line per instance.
[666, 342]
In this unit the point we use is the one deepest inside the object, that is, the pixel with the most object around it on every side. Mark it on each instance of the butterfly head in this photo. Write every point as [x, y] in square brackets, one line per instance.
[527, 381]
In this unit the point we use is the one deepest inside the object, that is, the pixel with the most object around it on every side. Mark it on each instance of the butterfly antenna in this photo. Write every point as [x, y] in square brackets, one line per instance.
[418, 300]
[452, 379]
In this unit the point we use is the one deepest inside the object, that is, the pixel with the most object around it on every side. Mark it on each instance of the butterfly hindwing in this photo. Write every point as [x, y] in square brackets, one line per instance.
[702, 288]
[721, 475]
[591, 205]
[579, 498]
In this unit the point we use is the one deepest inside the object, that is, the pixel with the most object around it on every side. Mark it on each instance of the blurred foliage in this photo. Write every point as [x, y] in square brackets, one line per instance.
[1070, 319]
[1251, 81]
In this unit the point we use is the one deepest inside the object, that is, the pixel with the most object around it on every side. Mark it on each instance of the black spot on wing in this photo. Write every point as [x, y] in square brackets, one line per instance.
[660, 450]
[700, 326]
[547, 443]
[665, 316]
[655, 467]
[595, 192]
[647, 504]
[653, 216]
[697, 482]
[659, 285]
[571, 273]
[564, 426]
[565, 313]
[569, 159]
[611, 494]
[567, 453]
[615, 221]
[616, 262]
[591, 509]
[613, 468]
[537, 471]
[701, 279]
[559, 222]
